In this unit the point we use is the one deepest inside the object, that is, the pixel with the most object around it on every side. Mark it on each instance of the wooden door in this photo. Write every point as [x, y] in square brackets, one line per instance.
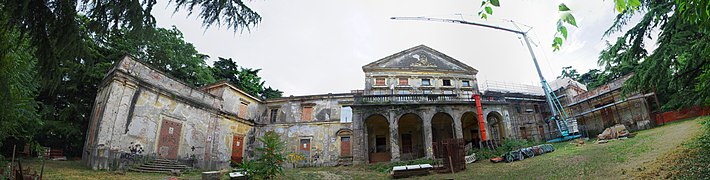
[406, 143]
[169, 139]
[305, 147]
[345, 146]
[237, 147]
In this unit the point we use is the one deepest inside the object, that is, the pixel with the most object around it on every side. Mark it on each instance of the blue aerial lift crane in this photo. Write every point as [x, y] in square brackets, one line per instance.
[559, 115]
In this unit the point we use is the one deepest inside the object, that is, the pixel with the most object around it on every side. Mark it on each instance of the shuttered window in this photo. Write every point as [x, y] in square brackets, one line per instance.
[307, 113]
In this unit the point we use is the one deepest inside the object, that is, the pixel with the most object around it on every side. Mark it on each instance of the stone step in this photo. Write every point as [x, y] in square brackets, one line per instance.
[148, 171]
[165, 160]
[163, 163]
[164, 167]
[156, 169]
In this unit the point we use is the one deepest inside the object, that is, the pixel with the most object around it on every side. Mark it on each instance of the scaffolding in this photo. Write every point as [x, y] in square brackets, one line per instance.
[509, 87]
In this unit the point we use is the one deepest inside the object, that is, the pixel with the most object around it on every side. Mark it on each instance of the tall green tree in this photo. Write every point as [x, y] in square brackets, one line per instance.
[569, 72]
[246, 79]
[18, 87]
[167, 51]
[54, 32]
[679, 68]
[66, 112]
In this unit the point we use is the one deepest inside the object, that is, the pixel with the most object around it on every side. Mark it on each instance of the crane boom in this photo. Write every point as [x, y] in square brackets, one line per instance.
[559, 115]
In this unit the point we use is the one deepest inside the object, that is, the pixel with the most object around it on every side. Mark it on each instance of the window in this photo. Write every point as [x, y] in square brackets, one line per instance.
[427, 91]
[243, 110]
[379, 81]
[403, 82]
[426, 82]
[346, 114]
[448, 92]
[274, 113]
[307, 113]
[447, 82]
[403, 92]
[465, 83]
[467, 94]
[378, 92]
[523, 133]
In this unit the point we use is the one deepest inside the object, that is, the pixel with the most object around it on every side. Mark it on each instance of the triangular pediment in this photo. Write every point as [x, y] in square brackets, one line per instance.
[420, 58]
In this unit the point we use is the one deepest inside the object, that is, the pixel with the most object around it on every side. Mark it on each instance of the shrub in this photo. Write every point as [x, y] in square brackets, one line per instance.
[268, 164]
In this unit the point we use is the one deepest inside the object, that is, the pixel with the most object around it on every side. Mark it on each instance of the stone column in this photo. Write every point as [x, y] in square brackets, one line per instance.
[359, 139]
[458, 129]
[426, 120]
[394, 136]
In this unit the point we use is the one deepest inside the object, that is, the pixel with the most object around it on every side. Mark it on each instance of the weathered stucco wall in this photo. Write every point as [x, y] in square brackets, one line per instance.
[139, 101]
[325, 143]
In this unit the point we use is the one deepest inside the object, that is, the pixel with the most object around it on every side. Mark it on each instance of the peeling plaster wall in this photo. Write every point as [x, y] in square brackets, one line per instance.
[138, 99]
[289, 110]
[325, 143]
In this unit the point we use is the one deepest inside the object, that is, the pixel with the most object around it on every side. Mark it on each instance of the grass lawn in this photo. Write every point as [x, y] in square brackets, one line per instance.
[645, 156]
[620, 159]
[77, 170]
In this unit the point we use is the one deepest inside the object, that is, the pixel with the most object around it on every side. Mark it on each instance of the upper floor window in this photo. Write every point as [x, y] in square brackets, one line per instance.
[378, 92]
[243, 110]
[403, 92]
[426, 82]
[274, 113]
[427, 92]
[448, 92]
[379, 81]
[468, 94]
[447, 82]
[403, 81]
[307, 113]
[466, 83]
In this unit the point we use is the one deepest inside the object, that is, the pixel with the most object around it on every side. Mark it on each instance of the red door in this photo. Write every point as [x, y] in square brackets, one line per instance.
[237, 144]
[345, 146]
[305, 147]
[169, 139]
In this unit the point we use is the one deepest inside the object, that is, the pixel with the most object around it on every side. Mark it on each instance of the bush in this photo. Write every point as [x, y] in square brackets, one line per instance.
[268, 164]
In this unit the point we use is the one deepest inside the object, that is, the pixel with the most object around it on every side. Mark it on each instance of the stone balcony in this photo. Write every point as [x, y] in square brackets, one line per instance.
[422, 99]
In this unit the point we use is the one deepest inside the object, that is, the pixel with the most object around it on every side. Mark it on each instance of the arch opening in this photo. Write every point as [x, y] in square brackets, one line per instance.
[378, 145]
[470, 128]
[496, 126]
[411, 137]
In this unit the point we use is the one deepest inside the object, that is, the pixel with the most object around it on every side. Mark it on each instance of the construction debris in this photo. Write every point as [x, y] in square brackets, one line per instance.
[614, 132]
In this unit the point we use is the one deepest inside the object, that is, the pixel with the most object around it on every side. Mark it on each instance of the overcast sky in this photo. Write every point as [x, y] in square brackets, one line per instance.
[319, 46]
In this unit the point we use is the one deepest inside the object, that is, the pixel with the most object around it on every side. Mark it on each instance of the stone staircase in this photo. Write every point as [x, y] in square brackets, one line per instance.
[160, 166]
[345, 161]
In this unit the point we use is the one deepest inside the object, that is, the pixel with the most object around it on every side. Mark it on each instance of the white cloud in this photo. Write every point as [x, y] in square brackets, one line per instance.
[319, 46]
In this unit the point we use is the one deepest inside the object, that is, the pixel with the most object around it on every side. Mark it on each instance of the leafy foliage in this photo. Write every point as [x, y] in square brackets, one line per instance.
[18, 87]
[569, 72]
[167, 51]
[677, 69]
[55, 33]
[271, 156]
[246, 79]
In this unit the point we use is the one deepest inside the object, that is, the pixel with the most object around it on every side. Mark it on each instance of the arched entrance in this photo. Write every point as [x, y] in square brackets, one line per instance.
[497, 128]
[411, 137]
[378, 133]
[469, 125]
[442, 127]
